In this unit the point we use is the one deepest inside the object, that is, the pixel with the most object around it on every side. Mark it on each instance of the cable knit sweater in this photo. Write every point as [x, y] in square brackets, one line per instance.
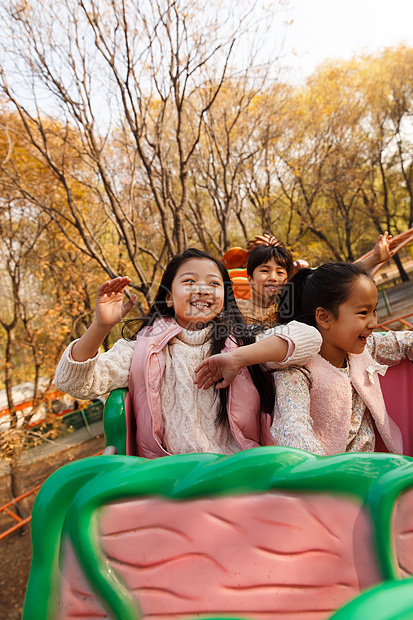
[190, 425]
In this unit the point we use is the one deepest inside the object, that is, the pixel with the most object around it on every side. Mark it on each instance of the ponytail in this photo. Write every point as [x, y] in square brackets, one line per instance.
[290, 305]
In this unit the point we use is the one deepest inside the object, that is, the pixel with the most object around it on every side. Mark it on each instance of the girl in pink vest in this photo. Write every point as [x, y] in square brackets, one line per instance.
[334, 403]
[194, 315]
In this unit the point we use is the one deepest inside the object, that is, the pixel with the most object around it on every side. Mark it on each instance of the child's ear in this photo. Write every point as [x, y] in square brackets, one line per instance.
[169, 300]
[323, 317]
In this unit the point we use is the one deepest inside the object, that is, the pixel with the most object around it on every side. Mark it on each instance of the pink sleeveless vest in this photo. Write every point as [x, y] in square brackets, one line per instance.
[249, 426]
[331, 402]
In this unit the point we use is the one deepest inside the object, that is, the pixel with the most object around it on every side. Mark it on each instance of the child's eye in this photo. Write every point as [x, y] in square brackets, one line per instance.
[189, 281]
[215, 283]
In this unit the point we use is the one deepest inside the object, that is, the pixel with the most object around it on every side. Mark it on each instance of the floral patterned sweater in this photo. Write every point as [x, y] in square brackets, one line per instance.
[292, 425]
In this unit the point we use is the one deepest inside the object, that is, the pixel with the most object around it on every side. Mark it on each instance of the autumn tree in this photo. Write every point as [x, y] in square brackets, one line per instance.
[343, 158]
[47, 293]
[230, 140]
[46, 285]
[387, 90]
[264, 174]
[131, 84]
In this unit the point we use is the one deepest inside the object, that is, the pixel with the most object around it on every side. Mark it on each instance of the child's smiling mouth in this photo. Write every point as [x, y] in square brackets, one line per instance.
[200, 304]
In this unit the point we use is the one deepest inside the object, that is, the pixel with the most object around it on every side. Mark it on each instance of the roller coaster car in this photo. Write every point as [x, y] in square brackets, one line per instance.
[272, 533]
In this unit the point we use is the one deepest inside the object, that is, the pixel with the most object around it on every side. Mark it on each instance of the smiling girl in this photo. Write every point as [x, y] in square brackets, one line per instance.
[334, 403]
[193, 315]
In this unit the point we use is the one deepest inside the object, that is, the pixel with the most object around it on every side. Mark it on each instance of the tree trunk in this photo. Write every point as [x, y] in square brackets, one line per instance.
[15, 491]
[8, 376]
[403, 274]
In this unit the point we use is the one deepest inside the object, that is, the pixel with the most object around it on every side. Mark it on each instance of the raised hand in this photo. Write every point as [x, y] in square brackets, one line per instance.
[381, 251]
[110, 308]
[221, 367]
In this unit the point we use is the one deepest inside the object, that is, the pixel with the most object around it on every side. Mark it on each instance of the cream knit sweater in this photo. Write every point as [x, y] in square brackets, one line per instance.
[189, 414]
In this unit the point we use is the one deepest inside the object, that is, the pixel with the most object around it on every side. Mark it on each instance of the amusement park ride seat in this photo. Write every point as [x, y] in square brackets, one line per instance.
[240, 284]
[114, 421]
[397, 388]
[272, 532]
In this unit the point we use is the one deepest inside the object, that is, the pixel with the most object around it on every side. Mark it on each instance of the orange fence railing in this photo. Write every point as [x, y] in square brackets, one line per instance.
[8, 509]
[385, 325]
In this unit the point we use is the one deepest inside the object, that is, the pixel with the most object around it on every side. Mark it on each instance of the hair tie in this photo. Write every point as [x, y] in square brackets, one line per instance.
[265, 239]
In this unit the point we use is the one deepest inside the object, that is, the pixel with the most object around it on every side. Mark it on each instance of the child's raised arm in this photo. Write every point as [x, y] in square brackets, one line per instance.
[110, 310]
[381, 252]
[304, 340]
